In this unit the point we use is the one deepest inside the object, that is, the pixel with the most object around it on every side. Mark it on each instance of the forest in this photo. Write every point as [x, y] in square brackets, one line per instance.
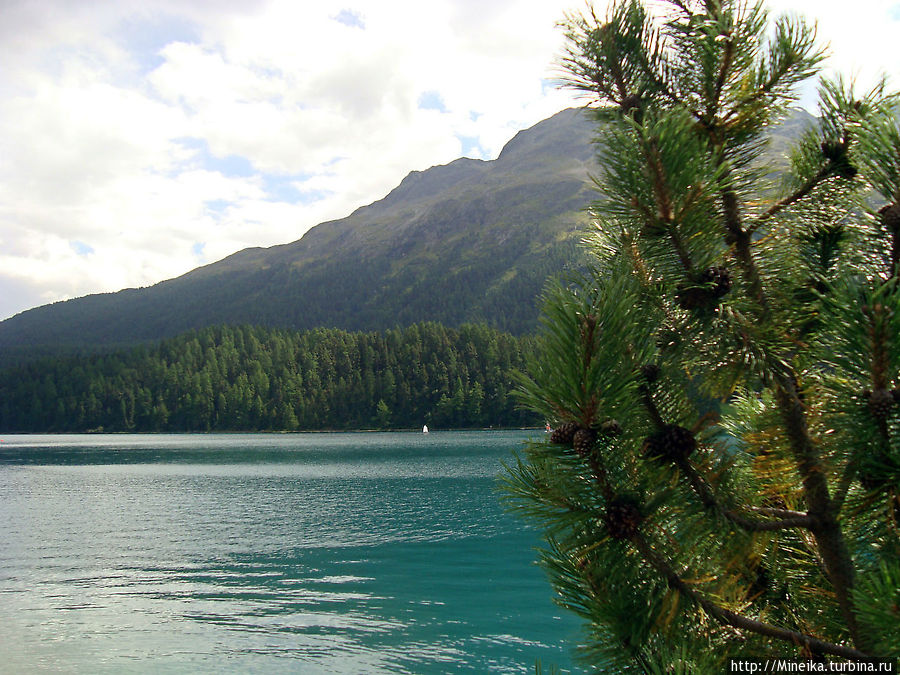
[262, 379]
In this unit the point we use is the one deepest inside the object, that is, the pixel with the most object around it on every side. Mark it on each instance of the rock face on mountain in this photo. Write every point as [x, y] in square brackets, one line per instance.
[470, 241]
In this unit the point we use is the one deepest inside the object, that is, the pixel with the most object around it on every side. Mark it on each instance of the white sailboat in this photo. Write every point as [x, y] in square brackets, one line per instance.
[425, 429]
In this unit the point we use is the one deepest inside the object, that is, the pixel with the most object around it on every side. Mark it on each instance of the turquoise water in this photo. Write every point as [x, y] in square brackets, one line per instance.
[309, 553]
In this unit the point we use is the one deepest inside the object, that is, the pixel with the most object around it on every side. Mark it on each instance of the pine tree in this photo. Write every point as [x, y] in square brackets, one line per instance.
[725, 381]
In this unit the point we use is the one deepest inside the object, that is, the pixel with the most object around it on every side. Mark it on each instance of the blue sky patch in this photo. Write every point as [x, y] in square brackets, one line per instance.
[81, 248]
[548, 86]
[145, 37]
[310, 196]
[348, 17]
[471, 146]
[894, 12]
[217, 206]
[431, 100]
[230, 165]
[197, 250]
[284, 188]
[278, 187]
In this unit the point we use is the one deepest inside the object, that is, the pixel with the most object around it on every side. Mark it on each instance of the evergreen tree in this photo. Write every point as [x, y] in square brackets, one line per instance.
[243, 378]
[724, 473]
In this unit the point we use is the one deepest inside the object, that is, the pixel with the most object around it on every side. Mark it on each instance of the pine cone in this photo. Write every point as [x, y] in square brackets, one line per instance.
[718, 276]
[650, 372]
[563, 434]
[890, 216]
[623, 517]
[653, 229]
[691, 297]
[761, 584]
[834, 152]
[631, 107]
[610, 429]
[845, 169]
[871, 481]
[667, 339]
[672, 443]
[880, 403]
[583, 441]
[879, 471]
[711, 285]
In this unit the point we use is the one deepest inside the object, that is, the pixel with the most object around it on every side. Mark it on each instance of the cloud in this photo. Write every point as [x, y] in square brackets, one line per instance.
[138, 140]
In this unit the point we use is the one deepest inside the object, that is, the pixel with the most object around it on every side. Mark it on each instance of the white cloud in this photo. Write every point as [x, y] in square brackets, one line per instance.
[138, 140]
[859, 39]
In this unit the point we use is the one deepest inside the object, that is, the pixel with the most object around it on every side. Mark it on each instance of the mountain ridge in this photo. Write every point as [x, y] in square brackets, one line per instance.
[420, 190]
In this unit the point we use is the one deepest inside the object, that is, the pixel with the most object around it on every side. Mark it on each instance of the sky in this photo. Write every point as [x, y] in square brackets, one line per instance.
[140, 139]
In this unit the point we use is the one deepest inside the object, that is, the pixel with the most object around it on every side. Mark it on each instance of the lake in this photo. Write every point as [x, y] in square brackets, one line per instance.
[309, 553]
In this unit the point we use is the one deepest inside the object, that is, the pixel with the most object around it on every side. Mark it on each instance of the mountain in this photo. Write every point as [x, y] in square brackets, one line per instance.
[470, 241]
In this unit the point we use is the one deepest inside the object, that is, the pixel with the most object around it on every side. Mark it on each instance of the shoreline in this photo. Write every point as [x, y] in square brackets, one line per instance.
[101, 432]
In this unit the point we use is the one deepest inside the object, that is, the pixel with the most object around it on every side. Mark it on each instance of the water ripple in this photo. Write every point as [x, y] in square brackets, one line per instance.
[341, 553]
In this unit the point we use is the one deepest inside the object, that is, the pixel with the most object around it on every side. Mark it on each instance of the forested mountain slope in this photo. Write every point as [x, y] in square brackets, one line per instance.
[261, 379]
[470, 241]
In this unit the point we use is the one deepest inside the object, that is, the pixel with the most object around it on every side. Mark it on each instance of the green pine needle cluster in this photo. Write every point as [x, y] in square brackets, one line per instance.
[723, 479]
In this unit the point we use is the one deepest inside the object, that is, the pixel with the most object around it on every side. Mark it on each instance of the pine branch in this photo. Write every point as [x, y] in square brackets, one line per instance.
[705, 493]
[877, 323]
[824, 173]
[664, 203]
[827, 530]
[600, 476]
[652, 410]
[741, 240]
[777, 513]
[617, 74]
[727, 617]
[825, 527]
[723, 75]
[786, 519]
[844, 487]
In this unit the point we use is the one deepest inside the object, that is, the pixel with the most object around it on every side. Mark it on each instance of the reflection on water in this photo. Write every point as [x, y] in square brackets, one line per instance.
[318, 553]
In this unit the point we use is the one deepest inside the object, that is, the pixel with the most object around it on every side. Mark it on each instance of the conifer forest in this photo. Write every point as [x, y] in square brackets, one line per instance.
[254, 379]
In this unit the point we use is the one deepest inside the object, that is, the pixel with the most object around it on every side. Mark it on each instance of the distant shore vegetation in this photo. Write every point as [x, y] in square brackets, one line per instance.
[246, 378]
